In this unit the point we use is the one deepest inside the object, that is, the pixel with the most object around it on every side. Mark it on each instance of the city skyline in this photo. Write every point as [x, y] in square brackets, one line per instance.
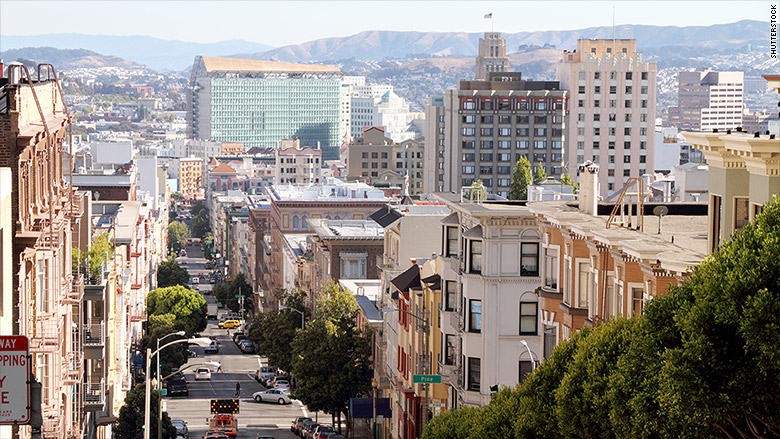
[338, 19]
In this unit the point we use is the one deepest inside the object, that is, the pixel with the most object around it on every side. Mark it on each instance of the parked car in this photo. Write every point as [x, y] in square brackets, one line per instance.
[307, 428]
[215, 435]
[265, 437]
[246, 347]
[176, 385]
[181, 427]
[297, 423]
[213, 348]
[272, 395]
[238, 336]
[195, 280]
[229, 324]
[322, 432]
[335, 436]
[202, 373]
[282, 385]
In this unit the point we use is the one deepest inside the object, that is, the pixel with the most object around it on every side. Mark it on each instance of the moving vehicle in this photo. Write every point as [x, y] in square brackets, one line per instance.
[215, 435]
[211, 311]
[177, 385]
[202, 373]
[282, 385]
[229, 324]
[224, 423]
[195, 280]
[272, 395]
[181, 428]
[213, 348]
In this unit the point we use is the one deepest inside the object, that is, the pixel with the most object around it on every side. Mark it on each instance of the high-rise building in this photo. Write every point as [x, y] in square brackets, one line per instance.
[481, 129]
[376, 105]
[491, 56]
[376, 159]
[191, 176]
[707, 99]
[259, 103]
[612, 115]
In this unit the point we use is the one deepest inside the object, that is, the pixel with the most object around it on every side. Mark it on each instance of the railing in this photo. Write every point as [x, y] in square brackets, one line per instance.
[76, 291]
[71, 368]
[455, 320]
[93, 334]
[47, 333]
[51, 427]
[94, 392]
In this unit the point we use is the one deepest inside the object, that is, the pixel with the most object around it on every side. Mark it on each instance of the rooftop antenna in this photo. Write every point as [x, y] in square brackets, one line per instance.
[660, 212]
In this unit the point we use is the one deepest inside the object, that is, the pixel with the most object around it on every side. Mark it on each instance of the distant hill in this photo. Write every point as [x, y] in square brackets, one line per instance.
[377, 45]
[152, 52]
[63, 59]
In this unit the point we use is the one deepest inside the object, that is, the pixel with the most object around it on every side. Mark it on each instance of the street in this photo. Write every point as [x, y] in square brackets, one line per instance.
[254, 418]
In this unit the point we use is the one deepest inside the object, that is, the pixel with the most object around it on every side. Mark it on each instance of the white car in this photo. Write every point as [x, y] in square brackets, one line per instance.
[282, 385]
[202, 373]
[272, 395]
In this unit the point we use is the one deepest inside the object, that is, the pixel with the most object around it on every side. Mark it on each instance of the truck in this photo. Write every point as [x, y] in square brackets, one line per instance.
[224, 423]
[211, 311]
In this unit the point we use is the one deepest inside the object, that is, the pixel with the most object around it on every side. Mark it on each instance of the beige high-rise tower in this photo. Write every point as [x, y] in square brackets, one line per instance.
[491, 56]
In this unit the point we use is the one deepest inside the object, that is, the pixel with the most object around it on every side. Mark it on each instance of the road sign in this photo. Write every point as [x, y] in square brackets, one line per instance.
[224, 406]
[14, 379]
[435, 404]
[240, 296]
[426, 379]
[164, 392]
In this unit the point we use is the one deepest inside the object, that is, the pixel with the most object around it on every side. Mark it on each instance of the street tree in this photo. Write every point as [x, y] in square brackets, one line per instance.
[540, 175]
[331, 357]
[130, 423]
[200, 224]
[170, 273]
[521, 178]
[226, 293]
[188, 306]
[566, 179]
[178, 234]
[274, 331]
[158, 326]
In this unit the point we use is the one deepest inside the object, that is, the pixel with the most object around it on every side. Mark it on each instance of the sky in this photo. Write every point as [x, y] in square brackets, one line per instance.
[293, 22]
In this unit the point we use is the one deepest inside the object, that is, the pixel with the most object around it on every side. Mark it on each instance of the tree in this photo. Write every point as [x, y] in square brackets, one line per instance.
[158, 326]
[200, 224]
[226, 293]
[521, 178]
[188, 307]
[566, 179]
[178, 234]
[274, 331]
[98, 253]
[540, 175]
[197, 207]
[130, 423]
[331, 357]
[170, 273]
[453, 424]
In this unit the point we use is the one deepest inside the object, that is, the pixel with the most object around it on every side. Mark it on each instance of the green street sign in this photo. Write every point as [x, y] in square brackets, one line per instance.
[426, 379]
[164, 392]
[240, 296]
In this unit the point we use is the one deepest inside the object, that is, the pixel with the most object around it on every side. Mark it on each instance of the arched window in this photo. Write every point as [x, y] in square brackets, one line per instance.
[304, 224]
[295, 222]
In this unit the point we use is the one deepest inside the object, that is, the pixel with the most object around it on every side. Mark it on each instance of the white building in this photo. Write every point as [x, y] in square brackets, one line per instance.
[691, 182]
[296, 164]
[117, 151]
[708, 100]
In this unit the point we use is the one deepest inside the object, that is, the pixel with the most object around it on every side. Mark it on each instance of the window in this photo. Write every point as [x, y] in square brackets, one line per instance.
[486, 131]
[486, 170]
[449, 349]
[582, 285]
[626, 159]
[629, 76]
[522, 119]
[551, 268]
[628, 89]
[541, 105]
[550, 340]
[522, 144]
[540, 119]
[468, 131]
[528, 318]
[505, 119]
[540, 132]
[526, 367]
[627, 131]
[504, 157]
[474, 374]
[504, 144]
[597, 89]
[486, 144]
[384, 155]
[486, 157]
[596, 103]
[469, 105]
[486, 105]
[451, 295]
[364, 155]
[353, 265]
[475, 316]
[475, 256]
[597, 75]
[638, 302]
[505, 132]
[468, 169]
[540, 144]
[467, 157]
[469, 144]
[522, 132]
[470, 118]
[529, 259]
[452, 242]
[374, 155]
[644, 76]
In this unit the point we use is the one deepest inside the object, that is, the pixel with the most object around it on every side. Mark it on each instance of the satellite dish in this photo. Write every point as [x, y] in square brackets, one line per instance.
[660, 212]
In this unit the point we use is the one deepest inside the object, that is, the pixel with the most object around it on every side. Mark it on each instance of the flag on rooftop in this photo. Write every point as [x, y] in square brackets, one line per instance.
[490, 15]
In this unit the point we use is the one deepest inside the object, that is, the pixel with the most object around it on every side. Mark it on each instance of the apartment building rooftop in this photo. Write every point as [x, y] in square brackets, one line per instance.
[347, 229]
[681, 243]
[389, 214]
[214, 64]
[332, 190]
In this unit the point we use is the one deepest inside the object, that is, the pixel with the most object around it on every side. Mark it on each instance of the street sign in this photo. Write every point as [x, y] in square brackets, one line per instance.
[224, 406]
[426, 379]
[164, 392]
[435, 404]
[14, 379]
[240, 296]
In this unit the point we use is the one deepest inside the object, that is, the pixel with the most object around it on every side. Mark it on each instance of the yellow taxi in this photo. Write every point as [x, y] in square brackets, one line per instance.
[229, 324]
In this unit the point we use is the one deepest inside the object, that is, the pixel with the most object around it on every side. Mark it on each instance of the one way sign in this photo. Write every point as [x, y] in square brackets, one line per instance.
[14, 379]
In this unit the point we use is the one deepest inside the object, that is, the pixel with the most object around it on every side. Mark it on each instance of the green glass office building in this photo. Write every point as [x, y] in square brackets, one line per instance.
[259, 103]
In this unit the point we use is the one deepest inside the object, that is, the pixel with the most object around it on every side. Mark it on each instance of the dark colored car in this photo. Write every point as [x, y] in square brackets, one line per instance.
[177, 386]
[238, 336]
[307, 428]
[297, 423]
[246, 347]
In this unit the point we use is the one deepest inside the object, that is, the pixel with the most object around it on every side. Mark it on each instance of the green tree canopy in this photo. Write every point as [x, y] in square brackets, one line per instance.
[130, 422]
[170, 273]
[188, 306]
[331, 357]
[274, 331]
[226, 293]
[521, 178]
[566, 179]
[158, 326]
[540, 175]
[178, 234]
[200, 224]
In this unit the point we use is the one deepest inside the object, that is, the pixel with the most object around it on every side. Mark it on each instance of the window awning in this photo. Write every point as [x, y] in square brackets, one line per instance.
[451, 220]
[474, 233]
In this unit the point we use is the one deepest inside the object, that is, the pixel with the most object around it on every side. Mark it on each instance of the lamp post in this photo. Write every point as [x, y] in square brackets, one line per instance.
[530, 354]
[201, 341]
[282, 307]
[426, 341]
[374, 385]
[159, 383]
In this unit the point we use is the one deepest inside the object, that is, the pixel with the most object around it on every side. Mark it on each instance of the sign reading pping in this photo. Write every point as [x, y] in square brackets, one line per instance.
[14, 379]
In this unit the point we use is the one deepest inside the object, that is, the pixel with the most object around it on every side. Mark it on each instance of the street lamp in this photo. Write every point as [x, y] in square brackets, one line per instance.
[159, 383]
[374, 385]
[530, 354]
[282, 307]
[200, 341]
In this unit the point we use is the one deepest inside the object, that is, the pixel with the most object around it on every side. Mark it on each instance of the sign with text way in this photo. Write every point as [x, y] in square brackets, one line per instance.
[426, 379]
[14, 379]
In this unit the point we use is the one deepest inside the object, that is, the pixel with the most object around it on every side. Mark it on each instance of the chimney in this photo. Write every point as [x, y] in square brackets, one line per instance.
[2, 69]
[589, 188]
[413, 260]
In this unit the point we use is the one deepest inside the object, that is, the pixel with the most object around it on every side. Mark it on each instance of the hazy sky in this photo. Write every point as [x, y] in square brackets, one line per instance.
[291, 22]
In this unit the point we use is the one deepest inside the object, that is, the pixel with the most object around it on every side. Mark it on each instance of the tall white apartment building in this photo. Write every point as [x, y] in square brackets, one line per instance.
[491, 56]
[376, 105]
[708, 100]
[612, 112]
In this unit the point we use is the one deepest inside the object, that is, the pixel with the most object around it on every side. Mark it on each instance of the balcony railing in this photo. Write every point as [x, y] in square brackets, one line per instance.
[93, 334]
[76, 291]
[454, 319]
[94, 392]
[72, 367]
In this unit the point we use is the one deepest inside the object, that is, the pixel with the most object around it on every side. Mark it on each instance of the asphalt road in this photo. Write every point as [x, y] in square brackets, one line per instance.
[254, 418]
